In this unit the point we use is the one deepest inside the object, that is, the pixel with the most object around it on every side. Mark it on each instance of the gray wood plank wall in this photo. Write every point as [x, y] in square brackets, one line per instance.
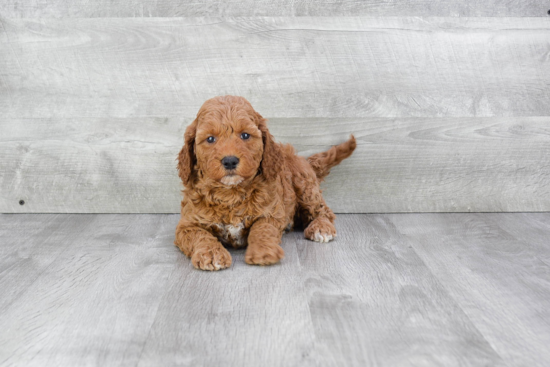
[451, 113]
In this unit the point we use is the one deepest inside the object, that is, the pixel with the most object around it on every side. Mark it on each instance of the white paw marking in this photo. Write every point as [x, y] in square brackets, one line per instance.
[217, 265]
[322, 237]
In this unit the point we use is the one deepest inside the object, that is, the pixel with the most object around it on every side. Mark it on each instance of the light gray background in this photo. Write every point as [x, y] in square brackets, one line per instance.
[449, 100]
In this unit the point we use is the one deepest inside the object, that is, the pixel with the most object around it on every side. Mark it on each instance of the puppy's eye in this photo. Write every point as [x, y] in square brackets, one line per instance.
[245, 136]
[211, 139]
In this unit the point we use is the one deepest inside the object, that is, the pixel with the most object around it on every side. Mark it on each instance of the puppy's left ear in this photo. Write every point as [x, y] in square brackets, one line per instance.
[272, 159]
[186, 157]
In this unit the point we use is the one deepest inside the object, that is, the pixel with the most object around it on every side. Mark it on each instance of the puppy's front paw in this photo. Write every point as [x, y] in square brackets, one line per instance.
[264, 254]
[320, 230]
[211, 258]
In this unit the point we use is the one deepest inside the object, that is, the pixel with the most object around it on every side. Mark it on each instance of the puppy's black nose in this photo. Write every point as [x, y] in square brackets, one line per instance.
[230, 162]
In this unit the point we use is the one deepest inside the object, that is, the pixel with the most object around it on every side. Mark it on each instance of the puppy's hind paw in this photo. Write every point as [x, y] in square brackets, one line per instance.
[320, 230]
[322, 237]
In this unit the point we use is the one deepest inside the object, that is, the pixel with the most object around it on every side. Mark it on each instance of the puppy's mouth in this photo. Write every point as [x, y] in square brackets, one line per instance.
[231, 179]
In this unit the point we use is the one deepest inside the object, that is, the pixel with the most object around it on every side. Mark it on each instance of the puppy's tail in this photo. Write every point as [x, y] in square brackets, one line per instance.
[323, 162]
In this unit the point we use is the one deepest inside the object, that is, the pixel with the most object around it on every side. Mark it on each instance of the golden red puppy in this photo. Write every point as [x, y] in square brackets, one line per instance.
[241, 188]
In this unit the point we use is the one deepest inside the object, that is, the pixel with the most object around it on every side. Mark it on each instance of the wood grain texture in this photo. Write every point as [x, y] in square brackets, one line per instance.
[29, 245]
[537, 236]
[244, 316]
[187, 8]
[370, 286]
[500, 282]
[93, 110]
[286, 66]
[409, 289]
[91, 165]
[111, 165]
[94, 304]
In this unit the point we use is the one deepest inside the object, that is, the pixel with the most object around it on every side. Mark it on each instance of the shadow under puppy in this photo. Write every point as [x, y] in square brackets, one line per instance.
[241, 188]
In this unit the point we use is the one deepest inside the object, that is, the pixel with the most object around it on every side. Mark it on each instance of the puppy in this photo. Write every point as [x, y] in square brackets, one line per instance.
[241, 188]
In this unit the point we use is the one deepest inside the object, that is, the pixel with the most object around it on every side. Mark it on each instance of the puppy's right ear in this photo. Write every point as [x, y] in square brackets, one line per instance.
[187, 158]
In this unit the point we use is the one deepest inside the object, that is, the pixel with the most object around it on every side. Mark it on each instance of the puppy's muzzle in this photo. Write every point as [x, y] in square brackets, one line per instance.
[230, 162]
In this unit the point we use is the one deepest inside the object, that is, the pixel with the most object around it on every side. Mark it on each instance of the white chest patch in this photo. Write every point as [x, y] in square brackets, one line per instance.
[232, 234]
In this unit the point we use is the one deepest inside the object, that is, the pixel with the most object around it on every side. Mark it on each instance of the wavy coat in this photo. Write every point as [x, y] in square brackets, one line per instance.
[253, 203]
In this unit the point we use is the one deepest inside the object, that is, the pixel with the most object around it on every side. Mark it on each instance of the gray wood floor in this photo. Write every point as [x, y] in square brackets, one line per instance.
[392, 290]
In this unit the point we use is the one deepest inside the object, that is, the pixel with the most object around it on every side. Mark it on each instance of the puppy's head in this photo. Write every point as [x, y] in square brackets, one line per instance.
[228, 142]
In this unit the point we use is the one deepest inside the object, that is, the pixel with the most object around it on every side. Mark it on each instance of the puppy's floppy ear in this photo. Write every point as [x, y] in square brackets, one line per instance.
[272, 159]
[187, 158]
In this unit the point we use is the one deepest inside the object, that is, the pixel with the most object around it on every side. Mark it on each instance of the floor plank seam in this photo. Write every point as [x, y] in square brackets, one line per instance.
[302, 271]
[39, 275]
[392, 289]
[449, 294]
[520, 240]
[167, 288]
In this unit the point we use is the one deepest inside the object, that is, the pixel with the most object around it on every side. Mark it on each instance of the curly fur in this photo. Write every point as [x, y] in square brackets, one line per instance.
[253, 204]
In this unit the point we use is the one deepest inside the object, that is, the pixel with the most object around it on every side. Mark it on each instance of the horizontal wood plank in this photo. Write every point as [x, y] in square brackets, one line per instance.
[108, 165]
[287, 67]
[187, 8]
[94, 109]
